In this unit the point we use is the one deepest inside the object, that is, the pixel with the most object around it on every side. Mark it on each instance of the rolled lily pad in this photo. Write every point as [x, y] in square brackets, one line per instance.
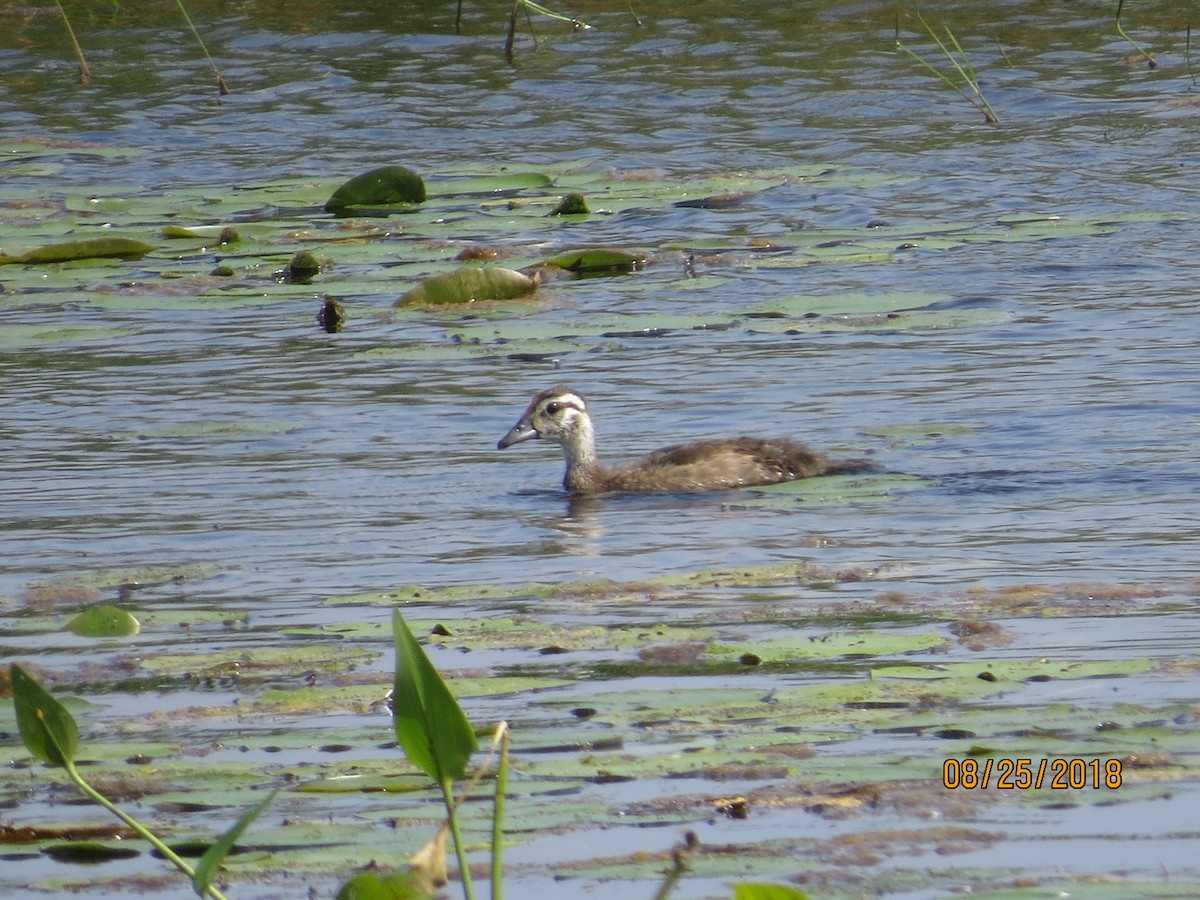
[95, 248]
[572, 204]
[223, 234]
[385, 185]
[104, 621]
[467, 285]
[594, 260]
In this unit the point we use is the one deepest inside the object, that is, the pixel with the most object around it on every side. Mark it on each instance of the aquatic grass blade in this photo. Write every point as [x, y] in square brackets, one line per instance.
[85, 73]
[430, 726]
[211, 861]
[961, 63]
[222, 88]
[48, 730]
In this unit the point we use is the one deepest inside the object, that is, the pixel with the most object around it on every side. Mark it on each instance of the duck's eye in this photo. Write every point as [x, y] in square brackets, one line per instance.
[553, 408]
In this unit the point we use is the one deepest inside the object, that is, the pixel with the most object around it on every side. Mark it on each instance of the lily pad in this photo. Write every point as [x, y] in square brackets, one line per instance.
[596, 260]
[94, 248]
[469, 285]
[104, 621]
[379, 187]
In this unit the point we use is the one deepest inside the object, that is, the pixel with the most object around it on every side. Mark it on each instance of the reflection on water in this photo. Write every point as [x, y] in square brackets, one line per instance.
[300, 467]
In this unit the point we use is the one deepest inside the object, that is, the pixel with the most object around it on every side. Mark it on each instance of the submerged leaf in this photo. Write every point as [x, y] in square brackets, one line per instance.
[96, 248]
[430, 726]
[48, 730]
[387, 184]
[468, 285]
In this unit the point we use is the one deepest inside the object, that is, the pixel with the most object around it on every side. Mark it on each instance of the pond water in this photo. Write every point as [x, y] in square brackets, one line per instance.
[1047, 410]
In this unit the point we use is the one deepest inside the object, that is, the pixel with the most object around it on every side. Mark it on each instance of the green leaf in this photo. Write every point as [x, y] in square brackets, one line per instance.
[387, 184]
[119, 248]
[48, 730]
[210, 862]
[431, 727]
[597, 259]
[104, 621]
[748, 891]
[468, 285]
[397, 886]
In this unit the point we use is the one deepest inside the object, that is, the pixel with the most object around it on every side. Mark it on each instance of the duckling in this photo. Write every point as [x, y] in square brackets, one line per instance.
[560, 414]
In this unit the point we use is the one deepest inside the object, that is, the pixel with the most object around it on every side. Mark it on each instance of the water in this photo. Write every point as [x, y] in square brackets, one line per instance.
[295, 467]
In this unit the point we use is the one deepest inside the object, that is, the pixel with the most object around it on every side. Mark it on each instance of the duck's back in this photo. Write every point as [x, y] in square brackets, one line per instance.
[724, 464]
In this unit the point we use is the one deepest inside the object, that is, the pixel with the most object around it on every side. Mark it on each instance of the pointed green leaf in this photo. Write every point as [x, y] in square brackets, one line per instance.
[210, 862]
[104, 621]
[48, 730]
[431, 727]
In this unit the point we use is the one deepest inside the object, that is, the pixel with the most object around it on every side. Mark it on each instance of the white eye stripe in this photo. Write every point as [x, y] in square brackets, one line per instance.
[565, 402]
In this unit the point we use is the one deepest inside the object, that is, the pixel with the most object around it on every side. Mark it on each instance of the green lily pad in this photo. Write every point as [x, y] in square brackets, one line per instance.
[104, 621]
[595, 260]
[94, 248]
[469, 285]
[489, 185]
[838, 644]
[379, 187]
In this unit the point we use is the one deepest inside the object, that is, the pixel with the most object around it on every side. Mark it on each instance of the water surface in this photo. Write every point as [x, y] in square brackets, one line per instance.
[295, 466]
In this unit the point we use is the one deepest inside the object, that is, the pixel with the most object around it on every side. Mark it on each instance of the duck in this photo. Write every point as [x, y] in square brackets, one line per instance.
[560, 415]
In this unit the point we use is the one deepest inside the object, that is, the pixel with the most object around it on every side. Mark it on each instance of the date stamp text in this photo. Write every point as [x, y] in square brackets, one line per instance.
[1006, 773]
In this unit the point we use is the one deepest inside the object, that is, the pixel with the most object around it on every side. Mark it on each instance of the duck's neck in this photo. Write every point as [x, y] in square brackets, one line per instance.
[584, 471]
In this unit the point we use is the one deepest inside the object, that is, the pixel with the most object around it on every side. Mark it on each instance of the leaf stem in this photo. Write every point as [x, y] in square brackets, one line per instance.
[501, 738]
[460, 849]
[142, 831]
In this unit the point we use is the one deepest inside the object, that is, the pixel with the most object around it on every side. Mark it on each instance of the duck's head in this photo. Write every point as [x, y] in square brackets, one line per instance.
[558, 414]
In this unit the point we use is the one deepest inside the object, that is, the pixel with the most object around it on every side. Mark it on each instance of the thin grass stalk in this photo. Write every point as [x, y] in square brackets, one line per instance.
[1150, 63]
[221, 87]
[1187, 53]
[501, 738]
[531, 7]
[512, 33]
[85, 73]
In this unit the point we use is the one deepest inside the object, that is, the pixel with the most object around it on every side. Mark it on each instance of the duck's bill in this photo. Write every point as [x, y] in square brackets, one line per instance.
[522, 431]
